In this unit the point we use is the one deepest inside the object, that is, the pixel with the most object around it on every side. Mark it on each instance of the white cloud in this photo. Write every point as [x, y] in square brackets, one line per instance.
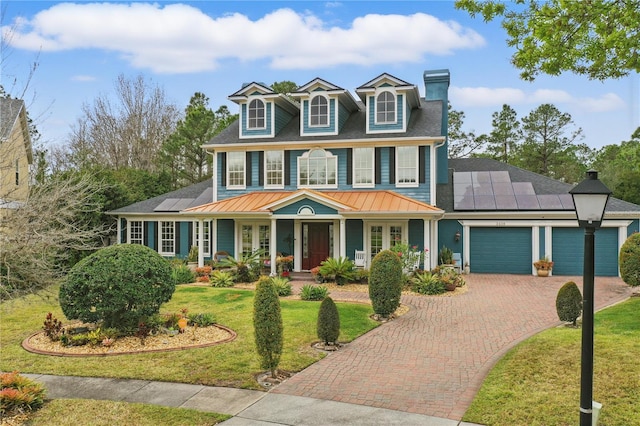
[83, 78]
[462, 97]
[179, 38]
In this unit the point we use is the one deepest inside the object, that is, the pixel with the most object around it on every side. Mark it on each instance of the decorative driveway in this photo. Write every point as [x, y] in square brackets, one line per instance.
[433, 359]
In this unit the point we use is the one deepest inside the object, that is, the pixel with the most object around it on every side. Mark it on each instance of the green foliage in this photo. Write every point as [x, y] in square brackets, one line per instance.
[282, 286]
[406, 254]
[630, 260]
[19, 394]
[597, 38]
[221, 278]
[202, 319]
[445, 256]
[117, 285]
[313, 292]
[328, 322]
[52, 327]
[247, 266]
[267, 323]
[427, 283]
[618, 167]
[569, 302]
[341, 269]
[181, 274]
[385, 283]
[193, 254]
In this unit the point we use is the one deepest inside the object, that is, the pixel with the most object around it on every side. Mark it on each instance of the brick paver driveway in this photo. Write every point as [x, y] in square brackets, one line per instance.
[433, 359]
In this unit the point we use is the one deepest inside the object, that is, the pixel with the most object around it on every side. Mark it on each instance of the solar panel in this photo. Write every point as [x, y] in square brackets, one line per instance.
[500, 176]
[523, 188]
[527, 202]
[484, 202]
[549, 202]
[463, 203]
[567, 201]
[506, 202]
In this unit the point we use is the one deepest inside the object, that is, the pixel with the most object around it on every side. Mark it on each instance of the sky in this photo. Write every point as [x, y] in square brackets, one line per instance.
[214, 47]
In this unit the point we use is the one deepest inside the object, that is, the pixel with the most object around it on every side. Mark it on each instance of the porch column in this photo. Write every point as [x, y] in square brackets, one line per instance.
[297, 245]
[466, 242]
[119, 230]
[427, 238]
[200, 243]
[343, 237]
[213, 234]
[273, 247]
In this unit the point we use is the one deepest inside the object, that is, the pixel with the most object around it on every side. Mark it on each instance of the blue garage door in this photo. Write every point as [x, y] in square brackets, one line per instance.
[500, 250]
[568, 251]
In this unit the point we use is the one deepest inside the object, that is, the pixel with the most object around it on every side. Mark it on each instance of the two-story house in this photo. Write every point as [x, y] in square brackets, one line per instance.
[320, 173]
[15, 154]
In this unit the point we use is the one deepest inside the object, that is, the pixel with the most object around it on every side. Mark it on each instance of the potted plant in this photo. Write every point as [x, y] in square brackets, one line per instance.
[445, 256]
[192, 258]
[543, 266]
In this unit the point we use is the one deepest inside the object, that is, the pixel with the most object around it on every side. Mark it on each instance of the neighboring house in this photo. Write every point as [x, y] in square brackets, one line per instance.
[15, 154]
[322, 174]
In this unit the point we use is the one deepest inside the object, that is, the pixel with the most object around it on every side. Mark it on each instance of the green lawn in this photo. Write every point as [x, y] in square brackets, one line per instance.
[231, 364]
[538, 382]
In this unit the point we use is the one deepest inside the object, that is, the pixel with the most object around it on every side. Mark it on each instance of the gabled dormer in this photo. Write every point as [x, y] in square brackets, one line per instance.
[388, 102]
[324, 107]
[263, 112]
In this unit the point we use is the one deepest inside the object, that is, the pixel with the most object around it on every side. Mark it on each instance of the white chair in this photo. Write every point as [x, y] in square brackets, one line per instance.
[457, 262]
[359, 259]
[414, 257]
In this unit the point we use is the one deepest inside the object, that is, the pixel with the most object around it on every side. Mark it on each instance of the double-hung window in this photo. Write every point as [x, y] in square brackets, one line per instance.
[318, 169]
[167, 238]
[385, 108]
[236, 170]
[255, 119]
[363, 167]
[274, 169]
[407, 166]
[136, 233]
[206, 240]
[319, 113]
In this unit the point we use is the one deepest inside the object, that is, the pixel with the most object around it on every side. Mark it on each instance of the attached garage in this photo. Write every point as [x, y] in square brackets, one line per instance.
[500, 250]
[568, 251]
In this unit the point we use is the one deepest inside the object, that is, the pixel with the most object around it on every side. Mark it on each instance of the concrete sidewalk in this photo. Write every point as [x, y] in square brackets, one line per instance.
[248, 407]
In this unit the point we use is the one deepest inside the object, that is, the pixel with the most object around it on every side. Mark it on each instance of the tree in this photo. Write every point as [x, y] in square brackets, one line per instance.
[619, 168]
[630, 260]
[596, 38]
[267, 323]
[505, 135]
[461, 144]
[328, 325]
[127, 132]
[41, 235]
[569, 303]
[548, 147]
[285, 87]
[385, 283]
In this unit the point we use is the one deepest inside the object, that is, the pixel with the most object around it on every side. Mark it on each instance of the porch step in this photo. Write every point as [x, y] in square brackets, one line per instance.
[300, 276]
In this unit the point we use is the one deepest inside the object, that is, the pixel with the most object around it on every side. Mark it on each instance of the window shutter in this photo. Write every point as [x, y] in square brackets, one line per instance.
[192, 242]
[155, 235]
[378, 165]
[223, 169]
[145, 234]
[349, 166]
[421, 165]
[176, 230]
[392, 165]
[287, 168]
[261, 168]
[248, 168]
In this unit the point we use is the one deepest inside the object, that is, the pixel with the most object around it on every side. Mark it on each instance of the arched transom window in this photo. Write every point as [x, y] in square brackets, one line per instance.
[318, 168]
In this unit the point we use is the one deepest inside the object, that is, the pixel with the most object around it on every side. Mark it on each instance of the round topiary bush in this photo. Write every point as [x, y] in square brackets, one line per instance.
[328, 322]
[117, 285]
[569, 302]
[385, 283]
[630, 260]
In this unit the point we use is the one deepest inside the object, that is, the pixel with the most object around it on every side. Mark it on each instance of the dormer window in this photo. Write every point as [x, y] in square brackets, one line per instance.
[386, 108]
[319, 113]
[317, 169]
[256, 115]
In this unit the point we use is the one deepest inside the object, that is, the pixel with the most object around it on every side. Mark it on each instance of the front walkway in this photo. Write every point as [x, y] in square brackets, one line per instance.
[433, 359]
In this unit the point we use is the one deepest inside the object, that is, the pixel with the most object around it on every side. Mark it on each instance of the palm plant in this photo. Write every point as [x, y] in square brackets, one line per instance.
[341, 269]
[246, 265]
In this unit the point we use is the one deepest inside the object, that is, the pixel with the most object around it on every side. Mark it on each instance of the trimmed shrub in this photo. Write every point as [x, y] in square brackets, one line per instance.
[19, 394]
[569, 303]
[385, 283]
[220, 278]
[313, 292]
[182, 274]
[630, 260]
[202, 319]
[341, 269]
[267, 323]
[282, 286]
[118, 285]
[328, 322]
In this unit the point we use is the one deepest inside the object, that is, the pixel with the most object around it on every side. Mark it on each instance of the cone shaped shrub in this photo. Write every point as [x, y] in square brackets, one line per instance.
[267, 324]
[569, 302]
[328, 322]
[630, 260]
[385, 283]
[118, 285]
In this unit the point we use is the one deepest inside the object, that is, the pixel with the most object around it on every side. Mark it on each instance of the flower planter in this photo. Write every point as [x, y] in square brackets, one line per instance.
[543, 272]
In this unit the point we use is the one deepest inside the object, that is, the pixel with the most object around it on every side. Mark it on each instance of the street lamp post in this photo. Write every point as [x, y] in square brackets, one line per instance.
[590, 199]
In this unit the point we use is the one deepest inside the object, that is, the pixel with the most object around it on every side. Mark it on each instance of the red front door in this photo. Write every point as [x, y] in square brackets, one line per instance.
[315, 243]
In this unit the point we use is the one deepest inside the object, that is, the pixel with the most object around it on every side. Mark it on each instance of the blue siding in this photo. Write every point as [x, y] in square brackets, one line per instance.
[437, 88]
[284, 231]
[282, 119]
[384, 127]
[123, 230]
[151, 234]
[185, 239]
[354, 235]
[634, 227]
[416, 234]
[343, 115]
[261, 132]
[317, 207]
[568, 251]
[225, 236]
[446, 236]
[331, 128]
[541, 252]
[501, 250]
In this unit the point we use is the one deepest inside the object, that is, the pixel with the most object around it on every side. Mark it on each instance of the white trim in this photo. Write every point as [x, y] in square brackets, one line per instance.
[373, 168]
[214, 176]
[317, 95]
[266, 170]
[129, 223]
[251, 99]
[244, 170]
[337, 143]
[379, 91]
[550, 223]
[328, 157]
[386, 238]
[416, 171]
[161, 238]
